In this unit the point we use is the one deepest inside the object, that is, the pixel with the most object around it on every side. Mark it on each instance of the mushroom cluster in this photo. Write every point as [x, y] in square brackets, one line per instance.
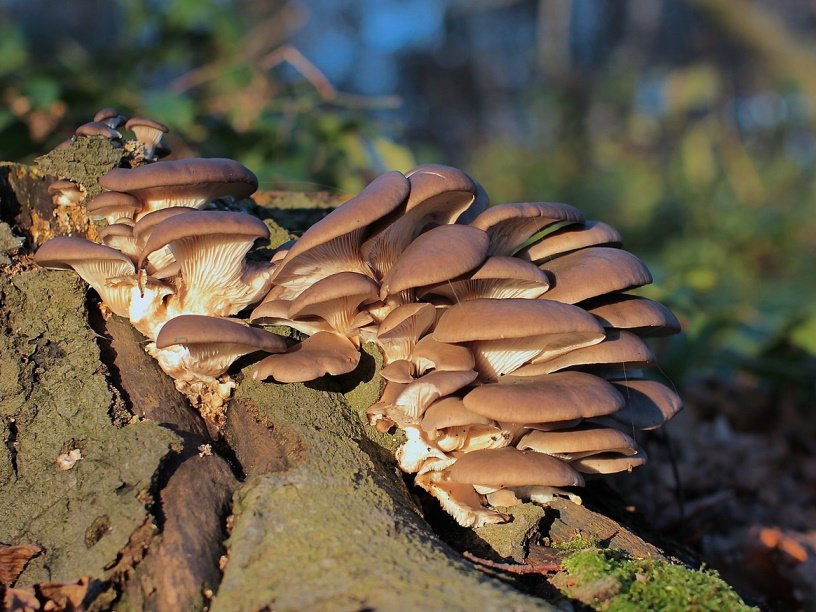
[162, 259]
[513, 356]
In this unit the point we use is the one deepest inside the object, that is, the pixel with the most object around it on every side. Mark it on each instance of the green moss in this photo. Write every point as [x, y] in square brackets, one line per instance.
[611, 580]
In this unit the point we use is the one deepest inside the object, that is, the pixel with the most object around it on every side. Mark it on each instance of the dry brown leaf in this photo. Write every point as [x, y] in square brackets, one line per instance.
[64, 596]
[13, 560]
[21, 600]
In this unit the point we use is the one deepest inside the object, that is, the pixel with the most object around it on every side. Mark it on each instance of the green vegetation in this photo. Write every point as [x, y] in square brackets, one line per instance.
[611, 580]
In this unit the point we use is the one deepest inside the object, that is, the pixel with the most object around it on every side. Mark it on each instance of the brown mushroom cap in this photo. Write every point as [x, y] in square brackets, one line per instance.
[110, 117]
[649, 404]
[498, 277]
[95, 263]
[318, 355]
[97, 128]
[510, 225]
[571, 238]
[510, 467]
[504, 334]
[186, 180]
[415, 397]
[197, 223]
[191, 330]
[332, 244]
[578, 442]
[450, 412]
[400, 330]
[638, 315]
[609, 463]
[144, 226]
[144, 122]
[112, 205]
[65, 192]
[491, 319]
[438, 195]
[557, 397]
[354, 287]
[440, 254]
[430, 354]
[618, 349]
[592, 272]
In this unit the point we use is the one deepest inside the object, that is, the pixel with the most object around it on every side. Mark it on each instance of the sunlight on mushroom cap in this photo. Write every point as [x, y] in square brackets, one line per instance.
[318, 355]
[95, 263]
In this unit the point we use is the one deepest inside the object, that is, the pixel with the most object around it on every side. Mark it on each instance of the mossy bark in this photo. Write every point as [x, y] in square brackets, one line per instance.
[300, 503]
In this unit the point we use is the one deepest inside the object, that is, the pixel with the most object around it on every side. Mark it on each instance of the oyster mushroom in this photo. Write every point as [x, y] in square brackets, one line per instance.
[112, 206]
[505, 334]
[148, 132]
[210, 247]
[95, 264]
[185, 182]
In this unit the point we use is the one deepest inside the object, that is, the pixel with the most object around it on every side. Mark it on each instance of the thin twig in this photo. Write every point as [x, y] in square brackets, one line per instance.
[514, 568]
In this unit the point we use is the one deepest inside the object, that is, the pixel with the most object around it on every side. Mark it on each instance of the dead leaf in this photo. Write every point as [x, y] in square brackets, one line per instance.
[13, 560]
[64, 596]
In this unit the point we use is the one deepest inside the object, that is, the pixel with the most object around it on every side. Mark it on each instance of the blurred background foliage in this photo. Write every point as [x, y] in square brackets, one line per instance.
[688, 124]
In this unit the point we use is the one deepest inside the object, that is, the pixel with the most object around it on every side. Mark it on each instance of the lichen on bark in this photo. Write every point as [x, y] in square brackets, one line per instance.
[54, 400]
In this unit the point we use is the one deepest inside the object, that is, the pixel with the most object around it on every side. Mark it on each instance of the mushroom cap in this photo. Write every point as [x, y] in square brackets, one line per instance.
[380, 197]
[398, 332]
[95, 264]
[429, 354]
[144, 226]
[64, 252]
[438, 195]
[318, 355]
[202, 223]
[609, 463]
[137, 122]
[97, 128]
[499, 319]
[199, 329]
[415, 397]
[639, 315]
[105, 113]
[343, 285]
[116, 229]
[497, 277]
[592, 272]
[578, 441]
[450, 412]
[510, 225]
[431, 182]
[214, 177]
[510, 467]
[555, 397]
[619, 348]
[111, 203]
[649, 403]
[62, 185]
[571, 238]
[439, 254]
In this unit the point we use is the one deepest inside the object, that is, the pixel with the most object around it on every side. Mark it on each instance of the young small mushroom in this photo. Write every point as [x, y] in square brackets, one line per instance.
[148, 132]
[97, 128]
[65, 193]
